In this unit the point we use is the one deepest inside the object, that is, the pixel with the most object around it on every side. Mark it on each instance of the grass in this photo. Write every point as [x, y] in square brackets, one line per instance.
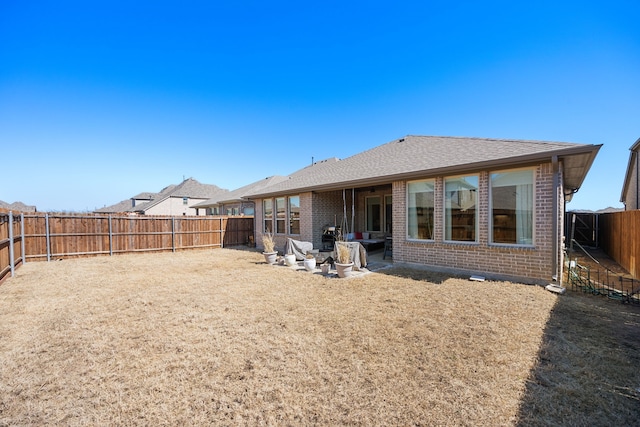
[220, 338]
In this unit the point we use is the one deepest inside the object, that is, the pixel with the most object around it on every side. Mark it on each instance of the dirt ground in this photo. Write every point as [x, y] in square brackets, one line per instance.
[218, 337]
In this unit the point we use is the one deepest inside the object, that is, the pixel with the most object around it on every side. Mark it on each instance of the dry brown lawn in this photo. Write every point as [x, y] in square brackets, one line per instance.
[217, 337]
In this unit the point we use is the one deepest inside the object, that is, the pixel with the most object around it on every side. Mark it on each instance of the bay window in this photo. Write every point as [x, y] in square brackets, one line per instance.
[283, 213]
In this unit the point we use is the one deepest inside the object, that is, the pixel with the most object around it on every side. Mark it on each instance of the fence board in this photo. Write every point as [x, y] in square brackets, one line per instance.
[53, 236]
[86, 235]
[619, 238]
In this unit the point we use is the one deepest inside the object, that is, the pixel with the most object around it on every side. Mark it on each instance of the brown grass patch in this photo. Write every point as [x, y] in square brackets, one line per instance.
[218, 337]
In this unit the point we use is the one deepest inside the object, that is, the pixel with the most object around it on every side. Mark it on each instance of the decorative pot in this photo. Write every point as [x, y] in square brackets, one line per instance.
[270, 257]
[344, 270]
[325, 268]
[310, 264]
[290, 260]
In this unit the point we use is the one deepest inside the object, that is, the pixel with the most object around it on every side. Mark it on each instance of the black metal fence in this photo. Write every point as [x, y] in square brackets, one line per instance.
[602, 281]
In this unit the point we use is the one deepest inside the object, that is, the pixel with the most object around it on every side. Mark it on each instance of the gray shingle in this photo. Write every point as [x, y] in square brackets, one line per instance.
[412, 155]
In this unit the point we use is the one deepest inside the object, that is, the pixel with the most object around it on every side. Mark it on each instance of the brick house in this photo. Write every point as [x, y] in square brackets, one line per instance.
[631, 188]
[468, 205]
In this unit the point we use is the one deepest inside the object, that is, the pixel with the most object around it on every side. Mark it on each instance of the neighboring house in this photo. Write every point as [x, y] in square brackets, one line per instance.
[233, 202]
[480, 206]
[17, 207]
[172, 200]
[631, 187]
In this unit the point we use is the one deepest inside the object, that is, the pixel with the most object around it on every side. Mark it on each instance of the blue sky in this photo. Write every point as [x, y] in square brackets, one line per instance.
[100, 101]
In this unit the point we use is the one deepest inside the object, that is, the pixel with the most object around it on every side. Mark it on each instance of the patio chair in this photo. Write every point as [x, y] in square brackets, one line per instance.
[388, 247]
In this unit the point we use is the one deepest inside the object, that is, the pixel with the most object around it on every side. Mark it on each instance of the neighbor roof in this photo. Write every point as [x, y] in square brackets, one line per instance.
[188, 188]
[630, 166]
[415, 157]
[239, 193]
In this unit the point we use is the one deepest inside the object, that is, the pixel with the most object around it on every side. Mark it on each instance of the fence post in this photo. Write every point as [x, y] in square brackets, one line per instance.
[173, 233]
[46, 227]
[221, 234]
[12, 260]
[110, 237]
[23, 250]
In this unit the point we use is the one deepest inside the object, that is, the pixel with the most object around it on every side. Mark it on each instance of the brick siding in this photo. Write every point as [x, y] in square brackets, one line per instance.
[527, 263]
[531, 264]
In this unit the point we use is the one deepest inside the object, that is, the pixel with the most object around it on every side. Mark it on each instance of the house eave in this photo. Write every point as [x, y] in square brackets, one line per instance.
[586, 152]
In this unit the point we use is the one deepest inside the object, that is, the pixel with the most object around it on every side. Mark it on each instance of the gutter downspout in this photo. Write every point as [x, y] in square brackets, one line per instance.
[554, 219]
[637, 182]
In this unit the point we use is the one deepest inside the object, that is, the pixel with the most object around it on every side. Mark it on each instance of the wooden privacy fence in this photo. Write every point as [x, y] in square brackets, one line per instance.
[619, 236]
[38, 237]
[11, 247]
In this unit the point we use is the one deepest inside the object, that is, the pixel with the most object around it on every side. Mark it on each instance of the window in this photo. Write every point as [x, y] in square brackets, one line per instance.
[281, 215]
[512, 207]
[420, 209]
[374, 214]
[294, 215]
[185, 200]
[287, 214]
[460, 208]
[267, 212]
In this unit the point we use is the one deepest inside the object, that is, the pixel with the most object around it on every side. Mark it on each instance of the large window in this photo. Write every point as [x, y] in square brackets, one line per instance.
[285, 212]
[420, 206]
[281, 215]
[512, 207]
[267, 212]
[461, 208]
[294, 215]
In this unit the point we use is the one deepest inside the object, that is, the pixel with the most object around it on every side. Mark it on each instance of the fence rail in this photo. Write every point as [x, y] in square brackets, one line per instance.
[40, 237]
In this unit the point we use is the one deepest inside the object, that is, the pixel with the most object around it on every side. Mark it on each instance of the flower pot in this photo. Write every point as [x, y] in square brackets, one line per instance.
[325, 268]
[344, 270]
[290, 260]
[270, 257]
[310, 264]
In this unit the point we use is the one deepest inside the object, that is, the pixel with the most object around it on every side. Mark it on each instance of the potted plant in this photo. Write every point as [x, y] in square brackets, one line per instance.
[344, 265]
[290, 259]
[310, 262]
[269, 245]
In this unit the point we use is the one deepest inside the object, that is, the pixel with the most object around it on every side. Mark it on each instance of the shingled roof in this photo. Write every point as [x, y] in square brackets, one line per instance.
[188, 188]
[415, 157]
[239, 193]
